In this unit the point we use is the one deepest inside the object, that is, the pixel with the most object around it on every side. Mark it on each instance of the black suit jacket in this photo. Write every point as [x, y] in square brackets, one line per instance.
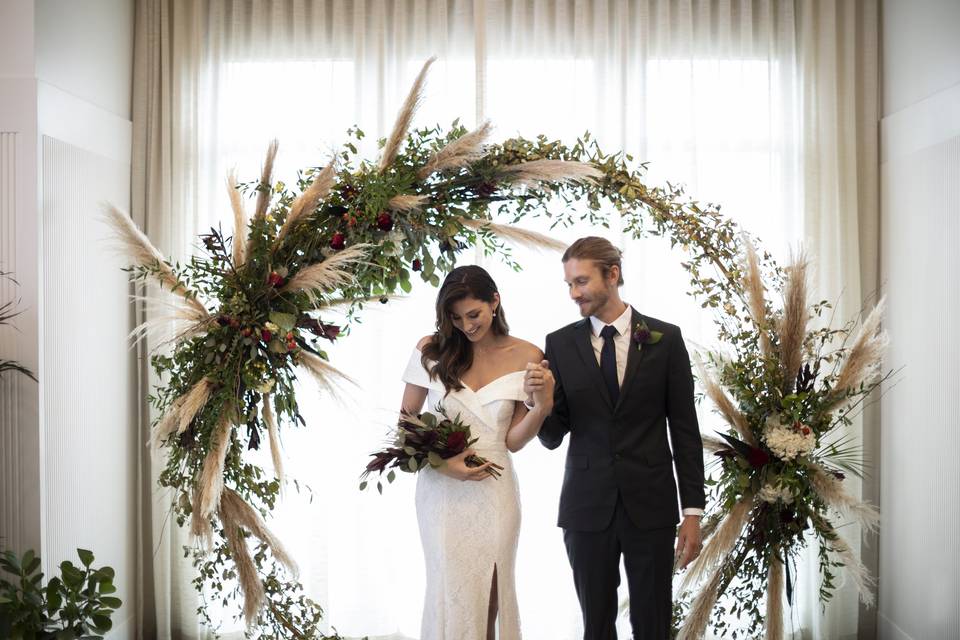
[624, 448]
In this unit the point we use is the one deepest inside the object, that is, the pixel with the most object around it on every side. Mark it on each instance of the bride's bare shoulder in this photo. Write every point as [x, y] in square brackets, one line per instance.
[526, 352]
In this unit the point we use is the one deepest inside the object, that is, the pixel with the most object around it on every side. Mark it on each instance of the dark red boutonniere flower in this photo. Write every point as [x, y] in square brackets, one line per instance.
[643, 335]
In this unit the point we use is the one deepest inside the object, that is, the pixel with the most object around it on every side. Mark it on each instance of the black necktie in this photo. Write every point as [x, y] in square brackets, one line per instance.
[608, 362]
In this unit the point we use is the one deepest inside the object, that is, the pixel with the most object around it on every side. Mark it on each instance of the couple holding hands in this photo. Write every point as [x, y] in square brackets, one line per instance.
[618, 383]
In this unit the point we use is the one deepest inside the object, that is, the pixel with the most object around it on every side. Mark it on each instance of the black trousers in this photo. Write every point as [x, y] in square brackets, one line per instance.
[648, 560]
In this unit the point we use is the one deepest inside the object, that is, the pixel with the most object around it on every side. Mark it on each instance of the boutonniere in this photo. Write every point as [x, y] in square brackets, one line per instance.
[643, 335]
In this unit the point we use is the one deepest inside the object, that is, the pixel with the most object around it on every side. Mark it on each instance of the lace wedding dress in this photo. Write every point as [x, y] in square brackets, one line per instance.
[468, 528]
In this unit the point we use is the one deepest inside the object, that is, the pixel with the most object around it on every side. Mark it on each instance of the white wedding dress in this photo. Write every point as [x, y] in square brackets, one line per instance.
[467, 527]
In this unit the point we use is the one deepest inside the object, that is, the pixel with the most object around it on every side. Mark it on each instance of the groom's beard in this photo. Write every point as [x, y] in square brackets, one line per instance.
[589, 305]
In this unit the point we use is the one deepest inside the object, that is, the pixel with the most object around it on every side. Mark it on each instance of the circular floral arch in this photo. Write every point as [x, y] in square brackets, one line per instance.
[355, 231]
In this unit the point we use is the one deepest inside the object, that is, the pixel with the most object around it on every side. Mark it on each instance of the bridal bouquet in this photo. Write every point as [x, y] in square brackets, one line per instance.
[422, 440]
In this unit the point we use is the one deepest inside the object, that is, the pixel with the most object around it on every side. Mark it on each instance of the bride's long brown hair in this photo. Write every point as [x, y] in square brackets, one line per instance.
[450, 348]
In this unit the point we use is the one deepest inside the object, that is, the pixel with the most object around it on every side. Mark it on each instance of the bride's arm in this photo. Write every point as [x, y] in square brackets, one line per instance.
[525, 425]
[413, 399]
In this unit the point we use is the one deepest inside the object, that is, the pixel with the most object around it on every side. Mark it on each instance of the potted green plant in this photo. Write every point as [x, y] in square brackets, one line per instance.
[77, 604]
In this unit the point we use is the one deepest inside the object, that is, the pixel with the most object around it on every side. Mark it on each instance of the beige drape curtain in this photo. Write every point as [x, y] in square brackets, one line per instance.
[784, 90]
[838, 52]
[164, 105]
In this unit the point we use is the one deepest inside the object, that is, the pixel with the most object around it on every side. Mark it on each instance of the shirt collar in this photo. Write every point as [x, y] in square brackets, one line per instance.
[622, 323]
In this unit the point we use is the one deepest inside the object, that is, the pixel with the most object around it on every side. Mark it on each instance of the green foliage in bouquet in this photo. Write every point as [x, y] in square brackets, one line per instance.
[77, 604]
[254, 308]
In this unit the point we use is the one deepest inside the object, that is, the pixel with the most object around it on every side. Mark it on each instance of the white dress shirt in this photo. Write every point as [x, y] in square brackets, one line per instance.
[621, 342]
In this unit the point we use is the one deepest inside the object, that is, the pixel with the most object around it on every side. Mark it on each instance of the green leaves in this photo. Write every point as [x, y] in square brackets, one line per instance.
[86, 557]
[286, 321]
[68, 607]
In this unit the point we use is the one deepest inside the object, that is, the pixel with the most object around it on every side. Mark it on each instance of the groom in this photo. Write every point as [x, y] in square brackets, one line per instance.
[623, 382]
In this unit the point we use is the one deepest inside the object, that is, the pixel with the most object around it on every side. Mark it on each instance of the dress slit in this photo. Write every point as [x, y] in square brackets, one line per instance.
[494, 591]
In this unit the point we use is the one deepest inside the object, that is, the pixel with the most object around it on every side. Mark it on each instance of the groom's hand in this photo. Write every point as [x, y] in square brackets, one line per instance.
[688, 541]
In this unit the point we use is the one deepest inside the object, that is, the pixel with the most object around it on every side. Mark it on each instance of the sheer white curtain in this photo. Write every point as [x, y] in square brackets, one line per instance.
[709, 92]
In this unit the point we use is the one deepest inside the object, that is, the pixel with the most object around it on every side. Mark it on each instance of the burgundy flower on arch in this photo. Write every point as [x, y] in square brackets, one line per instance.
[758, 457]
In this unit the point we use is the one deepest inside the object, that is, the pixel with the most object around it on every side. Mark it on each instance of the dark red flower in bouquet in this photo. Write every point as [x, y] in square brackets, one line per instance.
[275, 279]
[758, 457]
[338, 241]
[384, 221]
[417, 265]
[266, 335]
[429, 438]
[457, 441]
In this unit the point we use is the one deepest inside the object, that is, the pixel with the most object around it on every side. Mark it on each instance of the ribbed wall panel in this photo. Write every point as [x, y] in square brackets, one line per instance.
[11, 395]
[89, 437]
[920, 476]
[15, 416]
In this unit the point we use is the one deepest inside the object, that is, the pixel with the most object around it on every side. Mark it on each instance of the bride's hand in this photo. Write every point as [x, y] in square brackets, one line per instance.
[539, 383]
[456, 467]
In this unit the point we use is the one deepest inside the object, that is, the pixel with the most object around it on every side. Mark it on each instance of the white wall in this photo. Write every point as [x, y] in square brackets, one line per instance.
[920, 194]
[73, 444]
[86, 49]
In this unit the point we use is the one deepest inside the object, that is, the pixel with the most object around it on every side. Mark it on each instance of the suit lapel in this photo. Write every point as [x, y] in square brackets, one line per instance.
[582, 340]
[634, 357]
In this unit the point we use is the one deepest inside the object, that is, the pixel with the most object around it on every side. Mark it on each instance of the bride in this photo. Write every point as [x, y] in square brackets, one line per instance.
[469, 521]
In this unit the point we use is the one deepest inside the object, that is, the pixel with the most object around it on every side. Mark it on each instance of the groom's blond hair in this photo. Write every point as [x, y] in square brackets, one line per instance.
[600, 250]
